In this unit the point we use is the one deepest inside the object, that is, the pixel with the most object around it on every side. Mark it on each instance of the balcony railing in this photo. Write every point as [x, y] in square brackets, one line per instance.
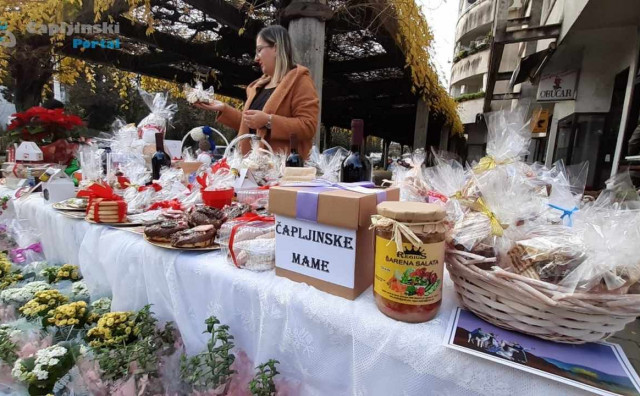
[470, 66]
[473, 48]
[479, 14]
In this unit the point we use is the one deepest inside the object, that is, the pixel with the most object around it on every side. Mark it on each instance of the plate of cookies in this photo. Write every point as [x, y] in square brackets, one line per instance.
[72, 205]
[115, 224]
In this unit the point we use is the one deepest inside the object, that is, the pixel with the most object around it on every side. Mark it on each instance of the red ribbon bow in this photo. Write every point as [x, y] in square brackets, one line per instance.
[155, 186]
[222, 164]
[202, 180]
[173, 204]
[243, 220]
[98, 192]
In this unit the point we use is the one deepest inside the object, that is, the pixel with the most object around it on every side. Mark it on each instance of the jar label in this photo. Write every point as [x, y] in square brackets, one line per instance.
[412, 276]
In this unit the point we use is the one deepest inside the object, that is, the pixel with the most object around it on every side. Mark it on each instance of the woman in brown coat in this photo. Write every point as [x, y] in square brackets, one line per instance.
[282, 102]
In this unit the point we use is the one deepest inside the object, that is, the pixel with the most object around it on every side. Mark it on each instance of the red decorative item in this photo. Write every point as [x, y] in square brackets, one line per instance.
[173, 204]
[222, 164]
[41, 125]
[59, 152]
[123, 181]
[155, 186]
[218, 198]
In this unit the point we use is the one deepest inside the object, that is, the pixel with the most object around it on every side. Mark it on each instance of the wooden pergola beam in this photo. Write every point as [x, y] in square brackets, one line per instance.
[137, 64]
[224, 12]
[361, 65]
[202, 54]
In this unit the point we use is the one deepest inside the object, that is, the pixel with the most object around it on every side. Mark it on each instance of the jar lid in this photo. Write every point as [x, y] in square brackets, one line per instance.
[411, 212]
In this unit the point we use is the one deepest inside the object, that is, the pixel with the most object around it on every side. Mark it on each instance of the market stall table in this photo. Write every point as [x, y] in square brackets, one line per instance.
[329, 345]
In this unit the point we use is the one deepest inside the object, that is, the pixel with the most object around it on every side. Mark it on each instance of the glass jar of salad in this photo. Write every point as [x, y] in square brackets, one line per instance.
[409, 260]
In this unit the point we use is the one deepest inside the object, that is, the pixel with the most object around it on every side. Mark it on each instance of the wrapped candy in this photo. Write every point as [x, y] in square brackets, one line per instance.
[328, 163]
[220, 180]
[161, 113]
[412, 183]
[198, 93]
[125, 138]
[138, 201]
[449, 181]
[249, 242]
[261, 163]
[567, 188]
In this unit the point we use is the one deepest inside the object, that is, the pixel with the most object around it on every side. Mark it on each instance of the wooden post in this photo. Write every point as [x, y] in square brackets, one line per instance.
[422, 124]
[501, 14]
[307, 33]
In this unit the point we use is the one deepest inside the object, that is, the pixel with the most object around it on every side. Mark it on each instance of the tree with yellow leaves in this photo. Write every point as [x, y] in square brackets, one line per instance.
[28, 64]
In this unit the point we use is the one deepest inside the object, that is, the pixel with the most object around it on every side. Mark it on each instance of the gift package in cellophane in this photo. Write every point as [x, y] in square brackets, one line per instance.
[328, 163]
[610, 231]
[161, 113]
[26, 240]
[527, 252]
[411, 180]
[197, 94]
[249, 242]
[532, 220]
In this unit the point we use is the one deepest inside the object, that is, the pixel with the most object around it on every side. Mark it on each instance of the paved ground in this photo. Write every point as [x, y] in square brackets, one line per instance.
[629, 340]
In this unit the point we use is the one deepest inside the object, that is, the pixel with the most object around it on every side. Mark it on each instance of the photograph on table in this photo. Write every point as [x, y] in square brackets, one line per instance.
[601, 368]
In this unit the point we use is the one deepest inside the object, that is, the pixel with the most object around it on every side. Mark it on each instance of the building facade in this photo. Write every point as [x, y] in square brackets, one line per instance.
[573, 63]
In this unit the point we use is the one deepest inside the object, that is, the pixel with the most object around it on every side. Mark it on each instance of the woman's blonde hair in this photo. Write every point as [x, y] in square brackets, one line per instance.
[278, 36]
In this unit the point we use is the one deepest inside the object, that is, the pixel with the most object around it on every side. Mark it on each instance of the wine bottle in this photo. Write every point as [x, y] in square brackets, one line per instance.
[160, 158]
[294, 159]
[356, 167]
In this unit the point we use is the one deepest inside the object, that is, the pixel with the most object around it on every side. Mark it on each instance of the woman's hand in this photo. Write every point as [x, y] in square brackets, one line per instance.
[255, 119]
[215, 106]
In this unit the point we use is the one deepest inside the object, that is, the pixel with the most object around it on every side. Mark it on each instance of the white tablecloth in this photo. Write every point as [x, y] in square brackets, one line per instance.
[329, 345]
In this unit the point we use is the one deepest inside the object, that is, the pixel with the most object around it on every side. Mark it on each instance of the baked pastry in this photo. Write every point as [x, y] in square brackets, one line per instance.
[200, 236]
[204, 215]
[172, 214]
[162, 232]
[236, 210]
[546, 258]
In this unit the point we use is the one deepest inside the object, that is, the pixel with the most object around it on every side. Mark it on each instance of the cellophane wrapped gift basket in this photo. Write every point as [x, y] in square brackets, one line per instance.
[526, 254]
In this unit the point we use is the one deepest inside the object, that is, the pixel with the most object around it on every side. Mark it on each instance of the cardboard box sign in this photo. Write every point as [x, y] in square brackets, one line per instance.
[323, 237]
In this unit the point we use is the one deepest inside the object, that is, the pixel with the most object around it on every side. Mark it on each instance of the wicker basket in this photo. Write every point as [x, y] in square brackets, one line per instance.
[537, 308]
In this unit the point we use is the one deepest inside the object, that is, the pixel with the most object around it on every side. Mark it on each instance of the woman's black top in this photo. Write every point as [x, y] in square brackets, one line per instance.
[259, 101]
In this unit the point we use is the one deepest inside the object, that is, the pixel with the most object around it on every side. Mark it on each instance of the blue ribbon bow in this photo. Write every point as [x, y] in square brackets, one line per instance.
[209, 134]
[565, 213]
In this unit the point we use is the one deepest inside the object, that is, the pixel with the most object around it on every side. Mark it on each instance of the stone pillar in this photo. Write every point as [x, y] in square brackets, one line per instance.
[307, 31]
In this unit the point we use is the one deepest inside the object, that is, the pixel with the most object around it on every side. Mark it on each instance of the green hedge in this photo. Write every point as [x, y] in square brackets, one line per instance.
[469, 96]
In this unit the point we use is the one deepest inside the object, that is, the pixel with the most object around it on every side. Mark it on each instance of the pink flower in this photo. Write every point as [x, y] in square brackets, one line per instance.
[7, 312]
[244, 368]
[32, 345]
[124, 388]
